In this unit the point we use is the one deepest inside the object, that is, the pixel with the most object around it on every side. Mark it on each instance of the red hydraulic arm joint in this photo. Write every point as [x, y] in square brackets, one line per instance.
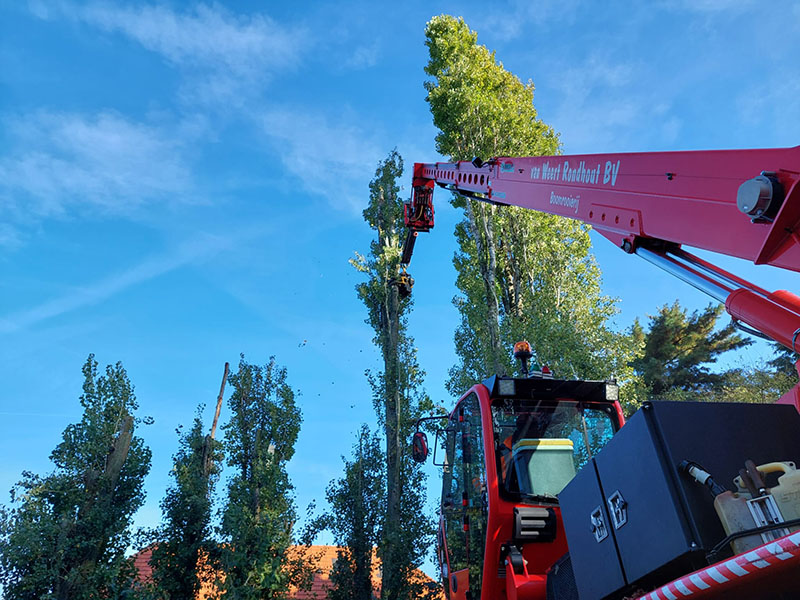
[743, 203]
[418, 213]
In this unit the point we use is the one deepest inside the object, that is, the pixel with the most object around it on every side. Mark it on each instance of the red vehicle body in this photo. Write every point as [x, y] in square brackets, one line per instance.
[743, 203]
[486, 511]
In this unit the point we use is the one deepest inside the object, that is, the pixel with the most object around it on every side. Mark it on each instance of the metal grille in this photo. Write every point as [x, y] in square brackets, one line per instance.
[561, 580]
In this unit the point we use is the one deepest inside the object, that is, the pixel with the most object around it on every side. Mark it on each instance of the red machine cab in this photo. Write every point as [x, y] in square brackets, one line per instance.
[509, 447]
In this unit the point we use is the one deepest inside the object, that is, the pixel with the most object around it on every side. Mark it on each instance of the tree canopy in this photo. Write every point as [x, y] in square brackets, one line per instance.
[398, 395]
[681, 359]
[66, 534]
[521, 274]
[356, 518]
[680, 349]
[259, 515]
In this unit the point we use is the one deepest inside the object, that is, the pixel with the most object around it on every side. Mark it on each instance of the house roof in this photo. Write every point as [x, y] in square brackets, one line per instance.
[144, 573]
[323, 557]
[141, 562]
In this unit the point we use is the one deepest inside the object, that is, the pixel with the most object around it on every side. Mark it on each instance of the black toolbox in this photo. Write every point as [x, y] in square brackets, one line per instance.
[632, 519]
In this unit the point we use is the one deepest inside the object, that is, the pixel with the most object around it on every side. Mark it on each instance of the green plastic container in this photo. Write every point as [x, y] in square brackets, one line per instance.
[544, 465]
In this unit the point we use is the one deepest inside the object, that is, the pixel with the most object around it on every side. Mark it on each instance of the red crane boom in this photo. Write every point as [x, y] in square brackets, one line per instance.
[743, 203]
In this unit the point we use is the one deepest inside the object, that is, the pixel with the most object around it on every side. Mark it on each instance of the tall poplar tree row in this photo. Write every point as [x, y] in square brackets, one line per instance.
[259, 515]
[66, 533]
[185, 555]
[521, 274]
[397, 388]
[357, 501]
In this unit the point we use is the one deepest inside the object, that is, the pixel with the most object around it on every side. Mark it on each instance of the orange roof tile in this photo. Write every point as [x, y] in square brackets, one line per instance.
[323, 557]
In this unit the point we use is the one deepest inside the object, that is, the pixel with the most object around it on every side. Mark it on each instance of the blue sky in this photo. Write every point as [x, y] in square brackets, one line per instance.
[180, 183]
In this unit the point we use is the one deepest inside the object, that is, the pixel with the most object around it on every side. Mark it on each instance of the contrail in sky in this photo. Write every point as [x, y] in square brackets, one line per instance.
[191, 251]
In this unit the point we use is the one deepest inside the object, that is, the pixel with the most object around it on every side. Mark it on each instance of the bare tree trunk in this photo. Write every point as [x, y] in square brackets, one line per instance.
[392, 524]
[219, 399]
[482, 230]
[207, 446]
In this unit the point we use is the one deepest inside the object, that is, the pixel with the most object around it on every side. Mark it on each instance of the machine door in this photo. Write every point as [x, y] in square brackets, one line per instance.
[590, 534]
[464, 499]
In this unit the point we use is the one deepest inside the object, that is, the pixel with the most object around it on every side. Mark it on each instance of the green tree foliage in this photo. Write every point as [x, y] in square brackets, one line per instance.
[66, 533]
[184, 554]
[759, 383]
[356, 515]
[784, 361]
[680, 349]
[480, 108]
[521, 274]
[397, 389]
[260, 513]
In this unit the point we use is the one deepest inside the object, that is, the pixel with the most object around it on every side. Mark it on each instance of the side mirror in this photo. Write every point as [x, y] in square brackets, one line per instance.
[419, 447]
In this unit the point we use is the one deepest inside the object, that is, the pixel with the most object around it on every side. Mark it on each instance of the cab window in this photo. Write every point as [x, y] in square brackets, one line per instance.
[540, 446]
[464, 495]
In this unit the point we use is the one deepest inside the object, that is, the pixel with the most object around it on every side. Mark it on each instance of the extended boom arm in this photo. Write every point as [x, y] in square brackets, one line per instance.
[743, 203]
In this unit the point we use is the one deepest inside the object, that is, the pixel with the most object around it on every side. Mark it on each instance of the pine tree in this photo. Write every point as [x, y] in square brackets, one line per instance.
[679, 350]
[784, 361]
[397, 389]
[66, 534]
[521, 274]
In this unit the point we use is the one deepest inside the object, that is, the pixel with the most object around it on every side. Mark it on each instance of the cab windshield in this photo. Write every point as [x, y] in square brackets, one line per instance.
[541, 445]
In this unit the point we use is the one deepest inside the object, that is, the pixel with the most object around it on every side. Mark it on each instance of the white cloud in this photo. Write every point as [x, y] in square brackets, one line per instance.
[363, 56]
[773, 106]
[194, 250]
[709, 6]
[59, 160]
[223, 55]
[510, 21]
[209, 36]
[600, 102]
[334, 160]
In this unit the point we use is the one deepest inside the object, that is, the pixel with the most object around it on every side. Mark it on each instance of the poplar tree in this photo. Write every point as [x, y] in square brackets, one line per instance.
[356, 514]
[397, 389]
[521, 274]
[185, 555]
[66, 533]
[260, 512]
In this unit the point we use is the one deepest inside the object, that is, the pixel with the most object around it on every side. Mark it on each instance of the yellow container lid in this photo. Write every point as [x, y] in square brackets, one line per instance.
[544, 444]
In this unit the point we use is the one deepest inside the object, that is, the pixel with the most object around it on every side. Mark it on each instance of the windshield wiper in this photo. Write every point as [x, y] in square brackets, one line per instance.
[540, 497]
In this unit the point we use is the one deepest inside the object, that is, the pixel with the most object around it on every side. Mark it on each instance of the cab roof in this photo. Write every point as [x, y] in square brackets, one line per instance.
[541, 388]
